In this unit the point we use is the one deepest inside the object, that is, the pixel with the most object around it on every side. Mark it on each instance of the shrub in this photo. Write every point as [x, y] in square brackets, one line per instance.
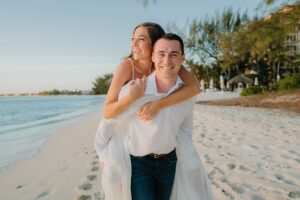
[289, 82]
[251, 90]
[101, 84]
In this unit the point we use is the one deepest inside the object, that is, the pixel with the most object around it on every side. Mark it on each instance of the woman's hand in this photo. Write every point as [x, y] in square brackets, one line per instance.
[136, 88]
[148, 111]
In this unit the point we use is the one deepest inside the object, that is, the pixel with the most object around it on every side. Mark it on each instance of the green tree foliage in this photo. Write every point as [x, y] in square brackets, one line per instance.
[230, 42]
[289, 82]
[269, 2]
[269, 41]
[211, 43]
[235, 47]
[251, 90]
[60, 92]
[101, 84]
[203, 72]
[234, 42]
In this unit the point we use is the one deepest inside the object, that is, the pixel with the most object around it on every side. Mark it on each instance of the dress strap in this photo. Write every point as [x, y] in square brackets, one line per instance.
[132, 69]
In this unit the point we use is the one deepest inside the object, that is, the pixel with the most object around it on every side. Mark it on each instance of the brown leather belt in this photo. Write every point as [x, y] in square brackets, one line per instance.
[154, 155]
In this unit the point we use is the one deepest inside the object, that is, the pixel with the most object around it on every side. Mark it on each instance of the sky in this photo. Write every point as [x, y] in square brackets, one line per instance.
[66, 44]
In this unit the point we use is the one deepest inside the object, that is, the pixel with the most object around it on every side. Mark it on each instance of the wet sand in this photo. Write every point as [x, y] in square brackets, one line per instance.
[67, 167]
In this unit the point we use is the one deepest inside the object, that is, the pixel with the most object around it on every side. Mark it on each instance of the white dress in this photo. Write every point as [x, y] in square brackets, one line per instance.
[111, 143]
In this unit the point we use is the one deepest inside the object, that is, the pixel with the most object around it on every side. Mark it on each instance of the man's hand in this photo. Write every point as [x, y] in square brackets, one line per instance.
[148, 111]
[136, 88]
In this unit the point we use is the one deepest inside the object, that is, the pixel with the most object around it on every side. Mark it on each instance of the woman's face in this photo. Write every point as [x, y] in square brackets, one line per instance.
[141, 45]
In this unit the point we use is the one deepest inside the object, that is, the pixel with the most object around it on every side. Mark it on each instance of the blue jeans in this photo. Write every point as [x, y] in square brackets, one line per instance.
[153, 178]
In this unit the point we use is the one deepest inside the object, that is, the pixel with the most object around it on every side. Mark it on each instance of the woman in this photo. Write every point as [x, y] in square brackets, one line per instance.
[112, 133]
[138, 65]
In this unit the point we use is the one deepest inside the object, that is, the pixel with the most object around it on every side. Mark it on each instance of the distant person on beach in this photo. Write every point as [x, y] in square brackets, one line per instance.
[155, 145]
[134, 68]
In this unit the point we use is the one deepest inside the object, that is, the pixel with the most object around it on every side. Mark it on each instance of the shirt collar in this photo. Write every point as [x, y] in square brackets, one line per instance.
[152, 87]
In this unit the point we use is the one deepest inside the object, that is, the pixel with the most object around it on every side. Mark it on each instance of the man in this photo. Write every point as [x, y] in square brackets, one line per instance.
[153, 146]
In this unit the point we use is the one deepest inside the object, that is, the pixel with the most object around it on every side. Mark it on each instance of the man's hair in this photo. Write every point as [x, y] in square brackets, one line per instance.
[173, 36]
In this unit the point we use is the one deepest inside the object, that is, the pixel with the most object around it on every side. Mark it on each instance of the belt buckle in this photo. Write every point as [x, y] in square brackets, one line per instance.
[156, 155]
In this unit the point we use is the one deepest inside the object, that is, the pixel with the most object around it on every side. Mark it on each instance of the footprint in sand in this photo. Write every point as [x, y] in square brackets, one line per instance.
[88, 186]
[91, 177]
[94, 163]
[231, 166]
[97, 196]
[235, 187]
[216, 172]
[230, 154]
[256, 197]
[228, 194]
[208, 159]
[19, 186]
[85, 186]
[294, 152]
[244, 168]
[43, 194]
[284, 179]
[95, 169]
[294, 195]
[84, 197]
[254, 146]
[64, 169]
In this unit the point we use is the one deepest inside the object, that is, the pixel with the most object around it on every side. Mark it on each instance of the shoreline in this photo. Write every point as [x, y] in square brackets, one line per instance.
[67, 166]
[49, 129]
[248, 153]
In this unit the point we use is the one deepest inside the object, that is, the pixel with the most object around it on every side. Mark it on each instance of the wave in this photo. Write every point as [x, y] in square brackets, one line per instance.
[6, 136]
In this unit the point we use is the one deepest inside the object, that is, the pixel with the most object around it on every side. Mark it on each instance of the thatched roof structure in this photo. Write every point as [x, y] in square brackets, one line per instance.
[240, 79]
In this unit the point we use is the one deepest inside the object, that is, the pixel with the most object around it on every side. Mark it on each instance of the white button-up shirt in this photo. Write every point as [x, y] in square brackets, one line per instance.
[158, 135]
[111, 142]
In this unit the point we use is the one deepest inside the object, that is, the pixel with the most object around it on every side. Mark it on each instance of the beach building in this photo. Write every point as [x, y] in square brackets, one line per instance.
[292, 42]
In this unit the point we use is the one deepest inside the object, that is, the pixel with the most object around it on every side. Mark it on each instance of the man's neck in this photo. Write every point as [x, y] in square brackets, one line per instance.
[165, 84]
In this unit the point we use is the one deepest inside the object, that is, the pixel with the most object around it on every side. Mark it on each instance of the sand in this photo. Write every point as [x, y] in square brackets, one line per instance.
[67, 167]
[249, 153]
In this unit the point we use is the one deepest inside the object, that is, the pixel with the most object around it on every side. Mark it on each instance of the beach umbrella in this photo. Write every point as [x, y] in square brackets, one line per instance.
[222, 86]
[228, 85]
[255, 81]
[202, 87]
[211, 84]
[278, 77]
[240, 79]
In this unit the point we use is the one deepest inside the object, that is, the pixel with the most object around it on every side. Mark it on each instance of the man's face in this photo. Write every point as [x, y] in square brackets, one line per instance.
[167, 58]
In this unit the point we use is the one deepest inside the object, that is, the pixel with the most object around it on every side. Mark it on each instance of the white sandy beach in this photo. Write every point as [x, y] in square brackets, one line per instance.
[249, 153]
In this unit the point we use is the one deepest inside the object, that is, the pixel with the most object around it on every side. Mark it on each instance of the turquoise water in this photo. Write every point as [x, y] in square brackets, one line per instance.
[26, 122]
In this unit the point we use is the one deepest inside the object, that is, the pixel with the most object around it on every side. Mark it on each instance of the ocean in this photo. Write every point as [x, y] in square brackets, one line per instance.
[27, 121]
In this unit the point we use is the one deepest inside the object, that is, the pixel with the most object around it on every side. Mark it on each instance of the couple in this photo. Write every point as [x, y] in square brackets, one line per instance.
[147, 156]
